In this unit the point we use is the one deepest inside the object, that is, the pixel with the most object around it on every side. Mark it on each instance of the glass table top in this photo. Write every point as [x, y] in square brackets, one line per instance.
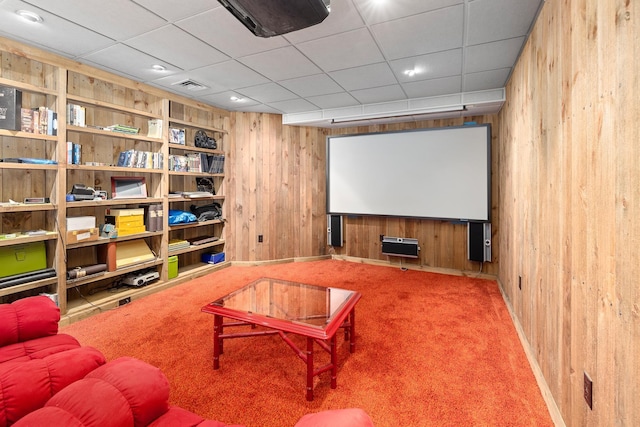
[310, 305]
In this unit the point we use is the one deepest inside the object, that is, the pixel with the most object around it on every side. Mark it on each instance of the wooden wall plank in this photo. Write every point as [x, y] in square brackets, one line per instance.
[569, 187]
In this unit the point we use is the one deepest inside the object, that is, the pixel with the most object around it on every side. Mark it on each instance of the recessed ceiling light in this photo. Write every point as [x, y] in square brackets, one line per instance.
[158, 67]
[236, 99]
[410, 73]
[29, 16]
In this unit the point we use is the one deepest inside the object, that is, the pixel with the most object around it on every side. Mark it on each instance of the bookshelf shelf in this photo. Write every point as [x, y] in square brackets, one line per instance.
[194, 248]
[113, 202]
[114, 169]
[51, 235]
[27, 135]
[106, 240]
[177, 123]
[88, 156]
[110, 106]
[28, 87]
[112, 134]
[23, 166]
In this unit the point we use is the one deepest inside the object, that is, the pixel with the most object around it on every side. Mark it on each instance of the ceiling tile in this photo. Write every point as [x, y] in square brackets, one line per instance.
[224, 100]
[319, 84]
[127, 60]
[173, 10]
[293, 106]
[430, 66]
[486, 80]
[491, 20]
[270, 92]
[105, 17]
[221, 30]
[490, 56]
[375, 12]
[344, 50]
[281, 64]
[54, 33]
[379, 94]
[334, 100]
[419, 34]
[173, 45]
[362, 77]
[433, 87]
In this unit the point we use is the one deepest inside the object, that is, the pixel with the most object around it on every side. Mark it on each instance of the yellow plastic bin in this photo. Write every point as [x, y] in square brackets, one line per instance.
[173, 266]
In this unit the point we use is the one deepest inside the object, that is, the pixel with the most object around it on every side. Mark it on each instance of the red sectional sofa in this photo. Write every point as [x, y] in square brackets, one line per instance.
[124, 392]
[48, 379]
[35, 361]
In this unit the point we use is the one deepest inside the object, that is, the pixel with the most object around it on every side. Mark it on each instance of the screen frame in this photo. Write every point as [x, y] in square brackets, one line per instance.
[479, 158]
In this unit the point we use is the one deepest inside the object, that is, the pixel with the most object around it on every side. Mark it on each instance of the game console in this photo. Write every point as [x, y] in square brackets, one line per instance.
[140, 279]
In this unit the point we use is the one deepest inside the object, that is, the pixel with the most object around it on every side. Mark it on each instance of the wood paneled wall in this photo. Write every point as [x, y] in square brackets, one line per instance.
[569, 208]
[277, 189]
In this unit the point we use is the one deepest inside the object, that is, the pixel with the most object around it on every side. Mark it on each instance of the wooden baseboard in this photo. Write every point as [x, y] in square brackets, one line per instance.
[554, 411]
[399, 264]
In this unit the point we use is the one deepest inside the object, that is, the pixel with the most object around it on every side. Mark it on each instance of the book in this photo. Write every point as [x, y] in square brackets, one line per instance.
[76, 155]
[177, 136]
[155, 128]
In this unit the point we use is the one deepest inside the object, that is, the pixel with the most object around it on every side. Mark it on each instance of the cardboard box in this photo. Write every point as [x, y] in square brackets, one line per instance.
[213, 258]
[81, 236]
[10, 108]
[80, 222]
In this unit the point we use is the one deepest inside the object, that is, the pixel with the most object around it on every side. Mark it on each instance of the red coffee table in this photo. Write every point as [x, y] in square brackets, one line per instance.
[314, 312]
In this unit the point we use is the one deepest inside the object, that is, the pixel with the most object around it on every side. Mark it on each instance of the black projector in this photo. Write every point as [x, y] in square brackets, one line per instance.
[275, 17]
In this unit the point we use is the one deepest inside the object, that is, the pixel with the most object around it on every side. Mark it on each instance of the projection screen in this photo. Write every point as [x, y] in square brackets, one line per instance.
[440, 173]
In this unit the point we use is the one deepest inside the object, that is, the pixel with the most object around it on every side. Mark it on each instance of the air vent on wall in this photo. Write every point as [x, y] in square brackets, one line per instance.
[190, 85]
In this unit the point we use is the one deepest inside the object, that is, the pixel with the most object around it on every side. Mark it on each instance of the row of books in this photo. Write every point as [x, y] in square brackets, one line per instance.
[154, 217]
[41, 120]
[177, 244]
[197, 162]
[76, 115]
[140, 159]
[123, 129]
[74, 153]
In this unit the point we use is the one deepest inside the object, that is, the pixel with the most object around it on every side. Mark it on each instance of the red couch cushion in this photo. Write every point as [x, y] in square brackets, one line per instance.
[28, 318]
[27, 386]
[38, 348]
[352, 417]
[144, 387]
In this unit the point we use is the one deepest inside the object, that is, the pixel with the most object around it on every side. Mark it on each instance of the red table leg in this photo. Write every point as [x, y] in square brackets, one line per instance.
[217, 342]
[334, 363]
[309, 369]
[352, 331]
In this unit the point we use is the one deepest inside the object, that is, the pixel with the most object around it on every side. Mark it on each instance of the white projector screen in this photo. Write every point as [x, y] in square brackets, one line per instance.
[442, 173]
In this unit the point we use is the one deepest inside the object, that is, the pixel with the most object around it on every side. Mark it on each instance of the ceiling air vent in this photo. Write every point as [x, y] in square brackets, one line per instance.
[190, 85]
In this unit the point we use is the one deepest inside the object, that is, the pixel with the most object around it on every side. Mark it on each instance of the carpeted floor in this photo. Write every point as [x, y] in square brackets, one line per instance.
[432, 350]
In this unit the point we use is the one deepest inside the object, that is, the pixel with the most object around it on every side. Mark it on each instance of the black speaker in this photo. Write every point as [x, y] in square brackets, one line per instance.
[334, 230]
[479, 241]
[274, 17]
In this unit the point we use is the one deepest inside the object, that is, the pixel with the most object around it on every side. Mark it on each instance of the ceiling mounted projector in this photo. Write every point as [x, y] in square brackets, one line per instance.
[275, 17]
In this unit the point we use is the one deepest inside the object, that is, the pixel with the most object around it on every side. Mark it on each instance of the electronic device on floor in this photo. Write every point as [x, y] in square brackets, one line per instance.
[140, 278]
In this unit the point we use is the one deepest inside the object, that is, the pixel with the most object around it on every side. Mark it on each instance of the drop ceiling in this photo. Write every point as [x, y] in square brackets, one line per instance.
[350, 67]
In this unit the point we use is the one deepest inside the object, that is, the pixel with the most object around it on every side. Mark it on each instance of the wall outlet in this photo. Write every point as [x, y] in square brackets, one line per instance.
[588, 391]
[260, 238]
[520, 282]
[124, 301]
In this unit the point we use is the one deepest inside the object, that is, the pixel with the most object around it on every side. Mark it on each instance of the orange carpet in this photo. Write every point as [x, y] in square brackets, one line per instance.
[432, 350]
